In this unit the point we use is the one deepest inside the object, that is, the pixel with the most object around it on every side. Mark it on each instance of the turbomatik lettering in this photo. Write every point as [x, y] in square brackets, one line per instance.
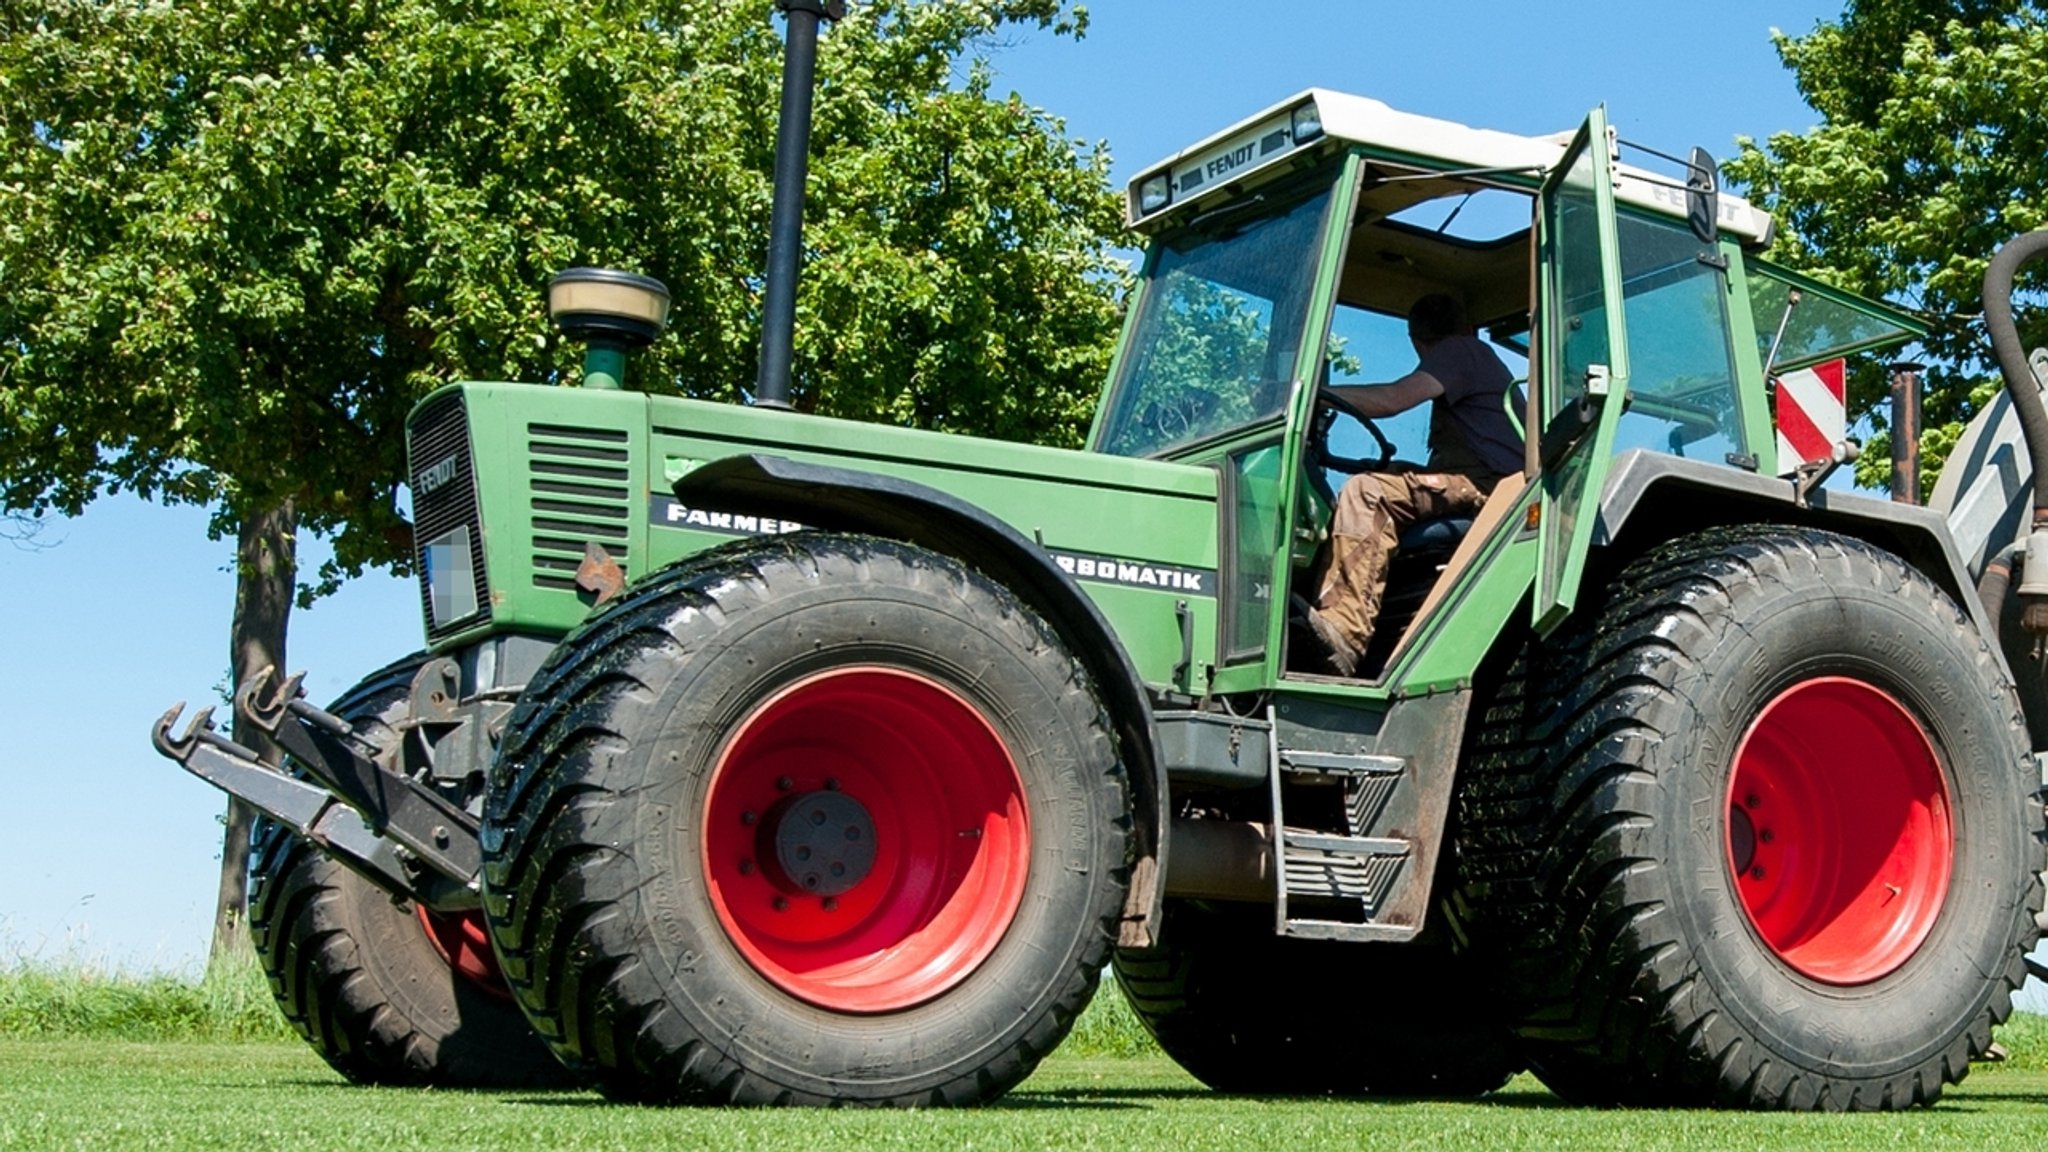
[1112, 570]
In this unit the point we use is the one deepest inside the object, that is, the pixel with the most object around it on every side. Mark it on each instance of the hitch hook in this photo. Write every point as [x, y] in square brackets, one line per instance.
[265, 700]
[180, 748]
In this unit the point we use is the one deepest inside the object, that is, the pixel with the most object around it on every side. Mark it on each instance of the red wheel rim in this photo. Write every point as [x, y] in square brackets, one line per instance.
[461, 939]
[900, 761]
[1838, 831]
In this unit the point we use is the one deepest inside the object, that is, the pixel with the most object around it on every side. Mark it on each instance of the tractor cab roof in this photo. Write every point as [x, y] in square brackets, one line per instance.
[1305, 128]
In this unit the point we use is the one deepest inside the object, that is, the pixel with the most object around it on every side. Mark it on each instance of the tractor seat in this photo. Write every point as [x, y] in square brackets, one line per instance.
[1439, 535]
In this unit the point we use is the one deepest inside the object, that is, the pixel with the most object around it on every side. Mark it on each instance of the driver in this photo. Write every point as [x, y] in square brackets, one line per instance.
[1472, 446]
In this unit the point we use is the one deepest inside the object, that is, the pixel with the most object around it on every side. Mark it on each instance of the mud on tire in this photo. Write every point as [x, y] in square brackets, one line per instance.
[359, 977]
[819, 820]
[1638, 794]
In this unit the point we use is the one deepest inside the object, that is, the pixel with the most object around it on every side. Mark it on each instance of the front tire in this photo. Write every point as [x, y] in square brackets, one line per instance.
[1762, 831]
[385, 992]
[817, 820]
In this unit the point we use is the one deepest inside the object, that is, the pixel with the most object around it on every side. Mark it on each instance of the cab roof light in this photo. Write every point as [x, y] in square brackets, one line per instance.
[1307, 123]
[1154, 193]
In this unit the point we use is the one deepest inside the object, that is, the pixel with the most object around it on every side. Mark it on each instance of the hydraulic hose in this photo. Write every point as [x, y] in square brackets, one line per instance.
[2026, 401]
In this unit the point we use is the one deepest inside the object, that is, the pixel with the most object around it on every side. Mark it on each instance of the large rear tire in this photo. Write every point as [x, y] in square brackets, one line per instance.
[1761, 831]
[385, 992]
[816, 820]
[1249, 1012]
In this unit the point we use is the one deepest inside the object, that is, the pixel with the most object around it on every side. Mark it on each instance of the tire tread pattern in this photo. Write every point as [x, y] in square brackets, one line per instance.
[307, 922]
[1553, 885]
[554, 883]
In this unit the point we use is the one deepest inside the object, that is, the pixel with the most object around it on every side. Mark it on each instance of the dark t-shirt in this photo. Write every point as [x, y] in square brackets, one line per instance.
[1469, 430]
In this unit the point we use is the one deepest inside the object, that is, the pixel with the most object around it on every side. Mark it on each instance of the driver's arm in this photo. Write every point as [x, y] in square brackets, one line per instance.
[1376, 400]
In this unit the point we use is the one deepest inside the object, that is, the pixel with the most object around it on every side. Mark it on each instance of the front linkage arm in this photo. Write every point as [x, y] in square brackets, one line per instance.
[396, 832]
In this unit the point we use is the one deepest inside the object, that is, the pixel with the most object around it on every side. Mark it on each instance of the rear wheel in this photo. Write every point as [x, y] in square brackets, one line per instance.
[1246, 1011]
[1715, 834]
[387, 993]
[822, 819]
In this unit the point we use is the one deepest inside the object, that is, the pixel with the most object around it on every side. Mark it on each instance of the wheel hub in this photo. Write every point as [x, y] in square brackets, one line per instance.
[824, 841]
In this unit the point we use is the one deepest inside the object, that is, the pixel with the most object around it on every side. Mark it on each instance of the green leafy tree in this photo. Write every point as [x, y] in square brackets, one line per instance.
[1930, 153]
[239, 239]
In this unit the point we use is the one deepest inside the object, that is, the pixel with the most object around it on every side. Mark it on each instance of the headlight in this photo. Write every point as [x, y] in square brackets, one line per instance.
[1154, 193]
[451, 582]
[1308, 123]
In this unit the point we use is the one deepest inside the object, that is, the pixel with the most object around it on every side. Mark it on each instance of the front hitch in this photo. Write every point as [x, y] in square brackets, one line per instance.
[399, 834]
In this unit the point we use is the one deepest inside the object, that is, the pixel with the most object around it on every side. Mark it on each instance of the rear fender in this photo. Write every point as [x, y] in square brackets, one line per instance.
[1651, 498]
[847, 500]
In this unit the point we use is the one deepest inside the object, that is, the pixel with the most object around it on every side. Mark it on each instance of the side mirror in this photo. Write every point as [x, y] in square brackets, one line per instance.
[1703, 196]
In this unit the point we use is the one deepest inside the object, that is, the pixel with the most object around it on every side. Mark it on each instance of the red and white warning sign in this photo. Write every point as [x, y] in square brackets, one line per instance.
[1813, 414]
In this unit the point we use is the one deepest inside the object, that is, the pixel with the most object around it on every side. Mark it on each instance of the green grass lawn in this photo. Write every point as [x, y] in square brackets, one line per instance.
[92, 1060]
[278, 1097]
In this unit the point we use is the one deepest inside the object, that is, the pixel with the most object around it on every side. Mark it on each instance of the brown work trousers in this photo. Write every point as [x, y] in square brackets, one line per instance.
[1371, 509]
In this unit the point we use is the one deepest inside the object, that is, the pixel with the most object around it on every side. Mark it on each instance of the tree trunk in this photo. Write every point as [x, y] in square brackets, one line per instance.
[266, 575]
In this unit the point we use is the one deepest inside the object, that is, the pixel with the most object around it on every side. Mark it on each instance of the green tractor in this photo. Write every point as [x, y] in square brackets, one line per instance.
[760, 757]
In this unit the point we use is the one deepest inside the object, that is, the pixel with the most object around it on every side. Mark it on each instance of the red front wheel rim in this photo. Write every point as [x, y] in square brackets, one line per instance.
[1839, 834]
[464, 942]
[865, 839]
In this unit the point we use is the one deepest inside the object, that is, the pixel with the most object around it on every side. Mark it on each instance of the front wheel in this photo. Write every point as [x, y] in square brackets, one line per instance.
[821, 819]
[386, 992]
[1761, 831]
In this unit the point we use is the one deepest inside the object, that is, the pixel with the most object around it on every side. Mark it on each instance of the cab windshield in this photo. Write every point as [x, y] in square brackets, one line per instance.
[1220, 328]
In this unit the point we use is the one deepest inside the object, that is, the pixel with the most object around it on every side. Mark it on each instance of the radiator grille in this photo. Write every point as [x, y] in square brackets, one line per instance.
[444, 498]
[581, 482]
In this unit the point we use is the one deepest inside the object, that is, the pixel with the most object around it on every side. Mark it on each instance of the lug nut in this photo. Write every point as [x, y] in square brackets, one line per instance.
[1757, 873]
[1765, 836]
[781, 905]
[748, 818]
[831, 783]
[831, 904]
[817, 816]
[784, 784]
[1751, 800]
[803, 852]
[746, 867]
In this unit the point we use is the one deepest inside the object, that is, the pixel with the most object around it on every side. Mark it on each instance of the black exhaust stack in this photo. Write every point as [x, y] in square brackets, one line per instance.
[786, 223]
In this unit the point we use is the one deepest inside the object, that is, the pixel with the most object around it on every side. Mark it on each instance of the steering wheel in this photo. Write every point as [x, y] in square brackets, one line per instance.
[1189, 411]
[1174, 418]
[1330, 404]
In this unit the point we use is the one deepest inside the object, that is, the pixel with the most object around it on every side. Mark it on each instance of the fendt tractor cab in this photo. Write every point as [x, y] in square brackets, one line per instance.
[763, 757]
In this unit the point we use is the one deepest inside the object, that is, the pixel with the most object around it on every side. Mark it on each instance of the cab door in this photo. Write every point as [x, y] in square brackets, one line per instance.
[1581, 363]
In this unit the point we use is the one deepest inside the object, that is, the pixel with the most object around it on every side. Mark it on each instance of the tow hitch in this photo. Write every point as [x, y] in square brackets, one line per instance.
[396, 832]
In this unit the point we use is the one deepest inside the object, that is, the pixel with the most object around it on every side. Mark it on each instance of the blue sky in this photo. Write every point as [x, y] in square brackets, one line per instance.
[110, 853]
